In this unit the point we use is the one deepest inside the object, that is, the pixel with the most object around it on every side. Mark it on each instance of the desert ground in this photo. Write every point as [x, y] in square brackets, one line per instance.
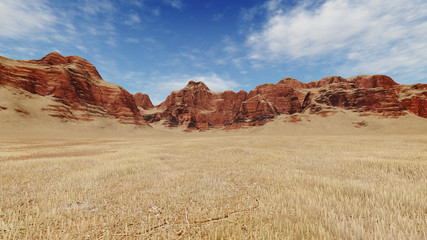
[313, 179]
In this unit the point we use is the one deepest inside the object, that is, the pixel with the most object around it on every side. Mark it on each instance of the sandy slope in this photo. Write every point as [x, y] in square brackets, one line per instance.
[25, 117]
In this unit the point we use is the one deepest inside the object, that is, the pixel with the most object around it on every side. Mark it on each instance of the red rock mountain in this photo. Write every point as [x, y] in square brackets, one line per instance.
[76, 86]
[143, 101]
[82, 94]
[196, 107]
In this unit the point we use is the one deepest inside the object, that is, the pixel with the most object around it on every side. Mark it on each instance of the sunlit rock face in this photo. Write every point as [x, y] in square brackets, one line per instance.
[196, 107]
[76, 86]
[143, 100]
[82, 95]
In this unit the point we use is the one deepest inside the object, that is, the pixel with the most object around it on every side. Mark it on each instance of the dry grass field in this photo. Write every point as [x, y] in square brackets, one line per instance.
[214, 185]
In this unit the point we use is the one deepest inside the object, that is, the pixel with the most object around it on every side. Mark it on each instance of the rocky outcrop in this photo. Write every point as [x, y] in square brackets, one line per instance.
[364, 100]
[365, 94]
[196, 107]
[76, 86]
[143, 101]
[414, 98]
[189, 107]
[375, 81]
[81, 94]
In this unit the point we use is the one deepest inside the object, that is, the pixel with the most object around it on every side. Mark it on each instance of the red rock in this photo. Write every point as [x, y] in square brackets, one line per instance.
[227, 105]
[362, 100]
[143, 101]
[82, 95]
[293, 83]
[21, 111]
[188, 107]
[53, 58]
[75, 84]
[414, 98]
[256, 110]
[283, 98]
[327, 81]
[373, 81]
[416, 105]
[295, 118]
[196, 107]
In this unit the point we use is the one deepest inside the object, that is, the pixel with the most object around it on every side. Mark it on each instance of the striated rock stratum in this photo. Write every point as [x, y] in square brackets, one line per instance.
[82, 95]
[75, 84]
[196, 107]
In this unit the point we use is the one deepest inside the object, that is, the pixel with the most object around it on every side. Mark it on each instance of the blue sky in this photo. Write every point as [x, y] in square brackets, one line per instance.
[157, 46]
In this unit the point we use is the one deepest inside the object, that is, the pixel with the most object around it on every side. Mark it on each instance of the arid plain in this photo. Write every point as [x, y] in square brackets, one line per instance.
[81, 158]
[318, 178]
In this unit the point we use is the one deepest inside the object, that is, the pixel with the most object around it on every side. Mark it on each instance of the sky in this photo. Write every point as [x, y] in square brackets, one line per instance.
[157, 46]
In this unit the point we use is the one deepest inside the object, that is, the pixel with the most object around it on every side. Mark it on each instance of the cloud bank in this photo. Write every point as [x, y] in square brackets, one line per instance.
[25, 18]
[369, 36]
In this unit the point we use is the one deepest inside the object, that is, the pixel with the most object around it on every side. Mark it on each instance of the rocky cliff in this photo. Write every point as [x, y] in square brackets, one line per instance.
[196, 107]
[76, 86]
[81, 94]
[143, 101]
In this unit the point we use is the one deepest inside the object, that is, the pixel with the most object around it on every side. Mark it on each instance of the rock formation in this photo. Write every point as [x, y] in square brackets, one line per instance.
[196, 107]
[75, 84]
[143, 101]
[82, 95]
[414, 98]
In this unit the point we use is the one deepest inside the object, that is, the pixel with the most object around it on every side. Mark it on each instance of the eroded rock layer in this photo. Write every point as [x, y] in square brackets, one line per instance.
[75, 84]
[82, 95]
[196, 107]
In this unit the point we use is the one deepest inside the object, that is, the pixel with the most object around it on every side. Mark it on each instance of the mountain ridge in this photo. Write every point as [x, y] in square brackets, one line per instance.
[82, 95]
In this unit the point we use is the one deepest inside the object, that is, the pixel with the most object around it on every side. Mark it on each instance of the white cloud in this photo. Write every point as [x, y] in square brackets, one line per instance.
[137, 3]
[94, 7]
[82, 48]
[188, 56]
[111, 41]
[212, 81]
[132, 40]
[133, 19]
[21, 18]
[48, 22]
[132, 76]
[372, 36]
[248, 14]
[174, 3]
[230, 46]
[26, 50]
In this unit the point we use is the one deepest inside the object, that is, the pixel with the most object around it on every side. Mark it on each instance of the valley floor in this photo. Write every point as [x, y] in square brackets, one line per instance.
[214, 186]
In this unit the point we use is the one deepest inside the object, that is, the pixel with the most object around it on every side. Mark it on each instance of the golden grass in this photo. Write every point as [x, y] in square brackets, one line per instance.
[214, 186]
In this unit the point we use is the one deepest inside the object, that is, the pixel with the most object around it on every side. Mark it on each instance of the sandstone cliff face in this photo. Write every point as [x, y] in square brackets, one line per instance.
[189, 107]
[81, 94]
[143, 101]
[196, 107]
[414, 98]
[364, 100]
[75, 84]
